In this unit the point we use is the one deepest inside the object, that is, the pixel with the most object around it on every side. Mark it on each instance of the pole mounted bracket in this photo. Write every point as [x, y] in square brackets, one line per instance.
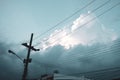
[29, 60]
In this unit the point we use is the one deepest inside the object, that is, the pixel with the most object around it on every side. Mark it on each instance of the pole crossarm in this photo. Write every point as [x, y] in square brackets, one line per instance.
[31, 47]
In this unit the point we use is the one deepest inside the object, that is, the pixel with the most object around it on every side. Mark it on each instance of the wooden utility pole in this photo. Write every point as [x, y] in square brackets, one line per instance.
[28, 59]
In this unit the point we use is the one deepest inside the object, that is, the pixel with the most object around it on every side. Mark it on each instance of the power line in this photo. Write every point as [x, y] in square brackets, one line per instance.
[65, 19]
[92, 54]
[61, 21]
[101, 70]
[102, 50]
[99, 50]
[94, 51]
[115, 69]
[101, 14]
[82, 18]
[95, 71]
[68, 34]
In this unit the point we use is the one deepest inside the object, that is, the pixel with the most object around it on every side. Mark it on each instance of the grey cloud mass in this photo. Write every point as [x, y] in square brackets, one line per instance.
[74, 60]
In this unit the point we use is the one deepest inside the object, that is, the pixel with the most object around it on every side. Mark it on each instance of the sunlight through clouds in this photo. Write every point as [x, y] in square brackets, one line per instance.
[83, 31]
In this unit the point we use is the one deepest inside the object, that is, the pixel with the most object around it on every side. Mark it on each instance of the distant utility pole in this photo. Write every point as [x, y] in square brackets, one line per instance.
[28, 59]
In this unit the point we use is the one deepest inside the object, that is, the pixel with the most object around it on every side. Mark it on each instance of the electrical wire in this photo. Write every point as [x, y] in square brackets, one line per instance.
[68, 34]
[90, 53]
[101, 70]
[102, 5]
[102, 51]
[62, 21]
[91, 72]
[65, 19]
[59, 22]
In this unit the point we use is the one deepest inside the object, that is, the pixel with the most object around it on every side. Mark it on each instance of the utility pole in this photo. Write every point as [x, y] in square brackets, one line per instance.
[28, 59]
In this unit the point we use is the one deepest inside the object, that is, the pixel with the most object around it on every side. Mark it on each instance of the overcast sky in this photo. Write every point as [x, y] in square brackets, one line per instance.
[84, 42]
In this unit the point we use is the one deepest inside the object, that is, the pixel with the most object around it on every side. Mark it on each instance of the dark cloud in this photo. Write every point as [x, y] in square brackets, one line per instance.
[81, 58]
[78, 59]
[9, 66]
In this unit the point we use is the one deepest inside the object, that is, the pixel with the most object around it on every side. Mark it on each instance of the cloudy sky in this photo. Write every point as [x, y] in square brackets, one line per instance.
[73, 36]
